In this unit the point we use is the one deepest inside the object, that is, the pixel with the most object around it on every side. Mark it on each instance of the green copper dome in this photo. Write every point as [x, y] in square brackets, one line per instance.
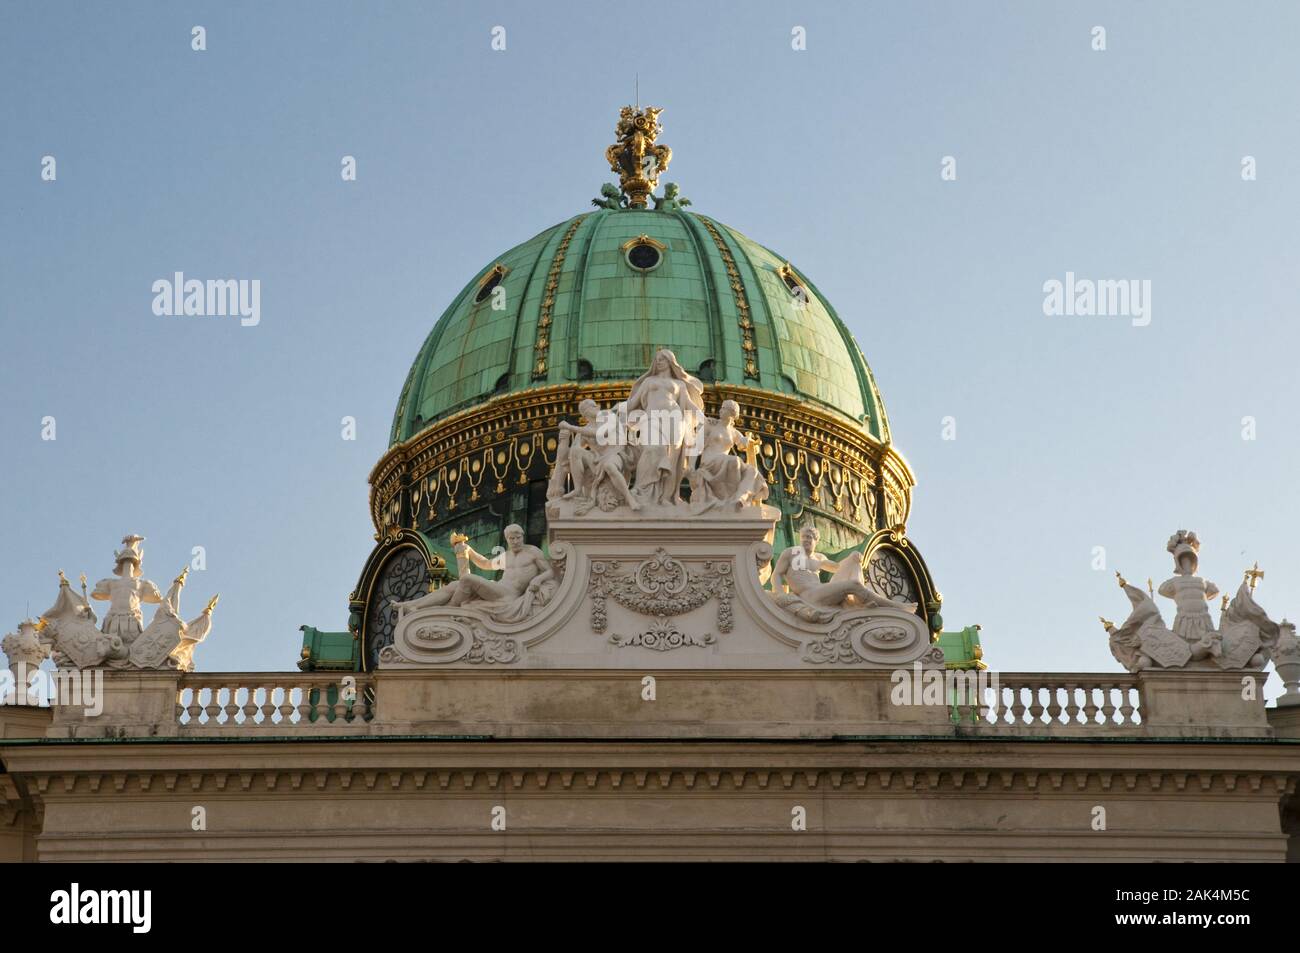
[570, 305]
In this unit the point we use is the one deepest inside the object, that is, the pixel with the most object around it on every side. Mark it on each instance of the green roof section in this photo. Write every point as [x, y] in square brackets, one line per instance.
[570, 298]
[328, 651]
[962, 649]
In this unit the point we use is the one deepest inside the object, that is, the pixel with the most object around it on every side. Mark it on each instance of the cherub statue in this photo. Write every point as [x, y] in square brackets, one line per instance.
[612, 197]
[524, 571]
[670, 200]
[720, 477]
[798, 571]
[596, 458]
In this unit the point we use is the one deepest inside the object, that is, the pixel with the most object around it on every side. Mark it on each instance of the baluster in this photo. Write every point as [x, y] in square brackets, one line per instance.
[304, 705]
[1072, 705]
[1039, 711]
[1018, 704]
[1090, 707]
[1131, 700]
[212, 708]
[1054, 708]
[249, 708]
[285, 707]
[360, 708]
[1110, 710]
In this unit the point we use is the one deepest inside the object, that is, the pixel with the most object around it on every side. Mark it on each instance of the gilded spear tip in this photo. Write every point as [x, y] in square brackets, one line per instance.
[1122, 581]
[1106, 623]
[212, 603]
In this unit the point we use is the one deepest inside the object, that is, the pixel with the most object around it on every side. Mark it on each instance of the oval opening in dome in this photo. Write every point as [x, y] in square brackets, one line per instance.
[792, 283]
[643, 256]
[489, 283]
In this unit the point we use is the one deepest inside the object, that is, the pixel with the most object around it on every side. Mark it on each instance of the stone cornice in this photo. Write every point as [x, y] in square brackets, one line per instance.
[864, 769]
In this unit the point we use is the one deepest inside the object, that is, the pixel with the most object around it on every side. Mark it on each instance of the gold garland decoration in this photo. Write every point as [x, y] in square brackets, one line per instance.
[742, 302]
[542, 345]
[807, 450]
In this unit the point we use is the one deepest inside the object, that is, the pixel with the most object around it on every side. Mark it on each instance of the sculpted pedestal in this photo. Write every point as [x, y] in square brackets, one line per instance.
[665, 590]
[637, 577]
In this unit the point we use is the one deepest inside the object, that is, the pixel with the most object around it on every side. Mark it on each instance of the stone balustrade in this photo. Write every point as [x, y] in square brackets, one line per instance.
[687, 704]
[1054, 703]
[213, 703]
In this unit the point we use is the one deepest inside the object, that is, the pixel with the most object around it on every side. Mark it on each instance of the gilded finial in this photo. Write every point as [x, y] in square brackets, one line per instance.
[635, 157]
[1254, 575]
[1223, 606]
[212, 603]
[1150, 590]
[63, 580]
[1122, 581]
[1106, 623]
[181, 578]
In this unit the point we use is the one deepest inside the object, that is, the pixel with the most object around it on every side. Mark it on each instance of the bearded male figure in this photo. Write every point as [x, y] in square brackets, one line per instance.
[799, 569]
[524, 569]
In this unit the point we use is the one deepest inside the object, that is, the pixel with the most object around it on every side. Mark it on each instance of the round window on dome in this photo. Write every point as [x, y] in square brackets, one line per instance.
[644, 257]
[643, 253]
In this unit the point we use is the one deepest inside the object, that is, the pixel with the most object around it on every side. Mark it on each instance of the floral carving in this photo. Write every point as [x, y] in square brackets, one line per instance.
[458, 639]
[490, 648]
[660, 586]
[834, 647]
[663, 636]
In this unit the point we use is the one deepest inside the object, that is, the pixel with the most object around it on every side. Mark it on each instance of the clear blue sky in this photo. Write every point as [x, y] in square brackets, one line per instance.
[1072, 432]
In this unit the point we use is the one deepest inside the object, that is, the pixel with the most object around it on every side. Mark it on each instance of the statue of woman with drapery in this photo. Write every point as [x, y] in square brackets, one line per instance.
[665, 408]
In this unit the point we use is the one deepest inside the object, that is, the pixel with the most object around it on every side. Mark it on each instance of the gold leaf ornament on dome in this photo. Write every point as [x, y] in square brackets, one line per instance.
[542, 343]
[637, 159]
